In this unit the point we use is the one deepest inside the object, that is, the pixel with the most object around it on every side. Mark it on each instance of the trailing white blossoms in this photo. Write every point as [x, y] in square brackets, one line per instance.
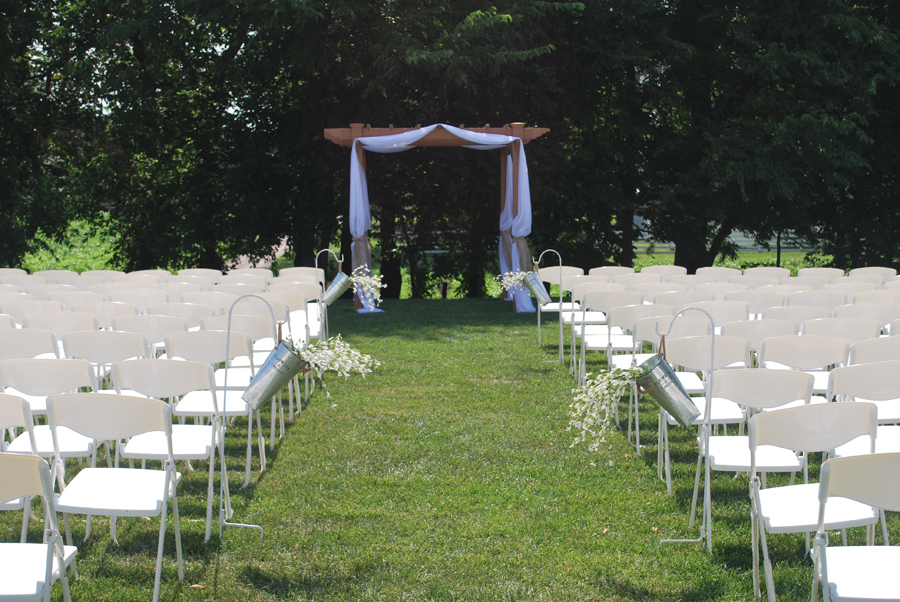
[366, 283]
[592, 411]
[334, 355]
[511, 280]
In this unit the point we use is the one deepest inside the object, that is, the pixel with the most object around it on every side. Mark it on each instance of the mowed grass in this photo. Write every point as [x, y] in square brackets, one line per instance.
[445, 475]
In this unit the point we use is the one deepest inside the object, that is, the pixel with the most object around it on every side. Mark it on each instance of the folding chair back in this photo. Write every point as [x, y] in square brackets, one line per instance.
[851, 288]
[142, 298]
[174, 290]
[756, 331]
[878, 381]
[794, 313]
[682, 299]
[61, 322]
[201, 272]
[551, 274]
[629, 280]
[7, 322]
[19, 309]
[256, 327]
[238, 290]
[757, 301]
[693, 353]
[690, 281]
[318, 275]
[882, 296]
[606, 300]
[883, 313]
[106, 275]
[769, 272]
[649, 329]
[752, 281]
[804, 353]
[580, 290]
[265, 272]
[47, 376]
[140, 280]
[106, 346]
[162, 379]
[208, 346]
[827, 273]
[825, 299]
[43, 291]
[53, 275]
[651, 289]
[106, 288]
[610, 271]
[723, 312]
[15, 412]
[23, 281]
[819, 427]
[626, 316]
[666, 271]
[762, 389]
[24, 343]
[882, 349]
[310, 290]
[279, 309]
[851, 330]
[886, 273]
[815, 283]
[13, 297]
[719, 273]
[70, 299]
[219, 301]
[720, 290]
[192, 313]
[254, 279]
[154, 327]
[205, 283]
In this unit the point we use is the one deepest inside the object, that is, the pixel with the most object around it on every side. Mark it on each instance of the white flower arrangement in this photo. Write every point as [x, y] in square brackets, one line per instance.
[511, 280]
[592, 411]
[367, 284]
[332, 355]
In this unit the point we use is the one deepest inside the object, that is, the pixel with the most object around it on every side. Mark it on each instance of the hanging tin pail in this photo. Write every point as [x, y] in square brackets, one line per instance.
[338, 287]
[533, 283]
[663, 386]
[278, 369]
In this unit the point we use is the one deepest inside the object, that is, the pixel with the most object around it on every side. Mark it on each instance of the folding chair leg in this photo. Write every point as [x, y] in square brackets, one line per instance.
[262, 444]
[696, 489]
[884, 531]
[209, 489]
[281, 417]
[754, 537]
[275, 400]
[26, 517]
[291, 388]
[249, 447]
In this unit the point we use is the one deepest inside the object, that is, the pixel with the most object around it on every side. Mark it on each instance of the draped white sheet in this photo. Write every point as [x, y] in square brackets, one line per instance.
[520, 225]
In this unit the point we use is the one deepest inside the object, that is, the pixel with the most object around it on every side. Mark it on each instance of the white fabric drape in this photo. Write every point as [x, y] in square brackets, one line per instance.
[519, 226]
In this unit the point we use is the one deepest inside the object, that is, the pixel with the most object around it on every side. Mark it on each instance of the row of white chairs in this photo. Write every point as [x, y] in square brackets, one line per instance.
[153, 276]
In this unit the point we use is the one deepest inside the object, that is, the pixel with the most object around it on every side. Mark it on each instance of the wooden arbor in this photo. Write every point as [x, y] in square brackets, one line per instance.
[515, 196]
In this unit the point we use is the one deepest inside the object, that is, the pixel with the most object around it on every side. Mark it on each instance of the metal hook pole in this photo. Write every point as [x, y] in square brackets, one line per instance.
[536, 263]
[322, 307]
[706, 521]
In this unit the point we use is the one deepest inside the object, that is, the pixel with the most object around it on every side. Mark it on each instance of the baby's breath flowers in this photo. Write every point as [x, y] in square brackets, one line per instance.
[367, 284]
[511, 280]
[592, 411]
[333, 355]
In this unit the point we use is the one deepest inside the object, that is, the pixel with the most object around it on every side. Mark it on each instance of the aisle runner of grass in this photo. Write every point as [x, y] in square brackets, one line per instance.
[446, 475]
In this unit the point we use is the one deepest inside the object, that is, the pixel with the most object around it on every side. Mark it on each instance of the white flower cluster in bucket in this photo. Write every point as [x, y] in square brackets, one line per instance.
[511, 280]
[367, 284]
[592, 411]
[333, 355]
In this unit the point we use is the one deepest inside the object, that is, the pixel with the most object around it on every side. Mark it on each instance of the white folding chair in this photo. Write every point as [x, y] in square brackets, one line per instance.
[168, 381]
[317, 274]
[35, 379]
[881, 296]
[53, 275]
[827, 273]
[850, 288]
[20, 343]
[205, 283]
[201, 272]
[7, 322]
[886, 273]
[758, 301]
[877, 382]
[692, 281]
[883, 313]
[723, 312]
[219, 301]
[19, 309]
[239, 289]
[154, 327]
[192, 313]
[721, 274]
[174, 290]
[756, 331]
[851, 330]
[720, 290]
[70, 299]
[680, 300]
[857, 572]
[630, 280]
[105, 347]
[795, 313]
[795, 508]
[142, 298]
[651, 289]
[28, 570]
[812, 354]
[785, 289]
[106, 275]
[42, 292]
[752, 281]
[138, 280]
[825, 299]
[768, 272]
[610, 271]
[882, 349]
[666, 271]
[115, 491]
[814, 283]
[754, 389]
[598, 302]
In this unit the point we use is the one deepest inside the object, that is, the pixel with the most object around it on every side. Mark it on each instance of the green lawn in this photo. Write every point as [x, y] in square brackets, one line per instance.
[446, 475]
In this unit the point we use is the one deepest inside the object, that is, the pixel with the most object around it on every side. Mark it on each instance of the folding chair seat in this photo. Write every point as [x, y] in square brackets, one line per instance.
[857, 572]
[42, 292]
[201, 272]
[70, 299]
[752, 390]
[35, 379]
[155, 327]
[851, 330]
[720, 290]
[166, 380]
[690, 281]
[116, 492]
[19, 309]
[610, 271]
[219, 301]
[106, 275]
[881, 296]
[666, 271]
[29, 570]
[811, 354]
[883, 313]
[757, 301]
[21, 343]
[192, 313]
[142, 298]
[756, 331]
[795, 313]
[752, 281]
[815, 283]
[827, 273]
[886, 273]
[850, 288]
[105, 347]
[690, 355]
[768, 272]
[105, 311]
[682, 299]
[53, 275]
[721, 274]
[174, 290]
[795, 508]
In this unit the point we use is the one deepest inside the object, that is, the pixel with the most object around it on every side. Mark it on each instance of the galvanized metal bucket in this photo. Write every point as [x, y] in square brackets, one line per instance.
[338, 287]
[663, 386]
[278, 369]
[533, 283]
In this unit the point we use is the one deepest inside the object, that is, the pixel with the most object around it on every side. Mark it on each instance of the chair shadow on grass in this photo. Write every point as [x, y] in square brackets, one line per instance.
[291, 586]
[626, 590]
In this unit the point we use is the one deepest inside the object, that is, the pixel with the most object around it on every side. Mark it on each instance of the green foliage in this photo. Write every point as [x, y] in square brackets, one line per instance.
[84, 246]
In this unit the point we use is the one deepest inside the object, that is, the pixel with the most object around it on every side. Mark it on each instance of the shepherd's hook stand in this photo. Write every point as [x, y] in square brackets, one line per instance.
[536, 263]
[223, 478]
[706, 521]
[323, 308]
